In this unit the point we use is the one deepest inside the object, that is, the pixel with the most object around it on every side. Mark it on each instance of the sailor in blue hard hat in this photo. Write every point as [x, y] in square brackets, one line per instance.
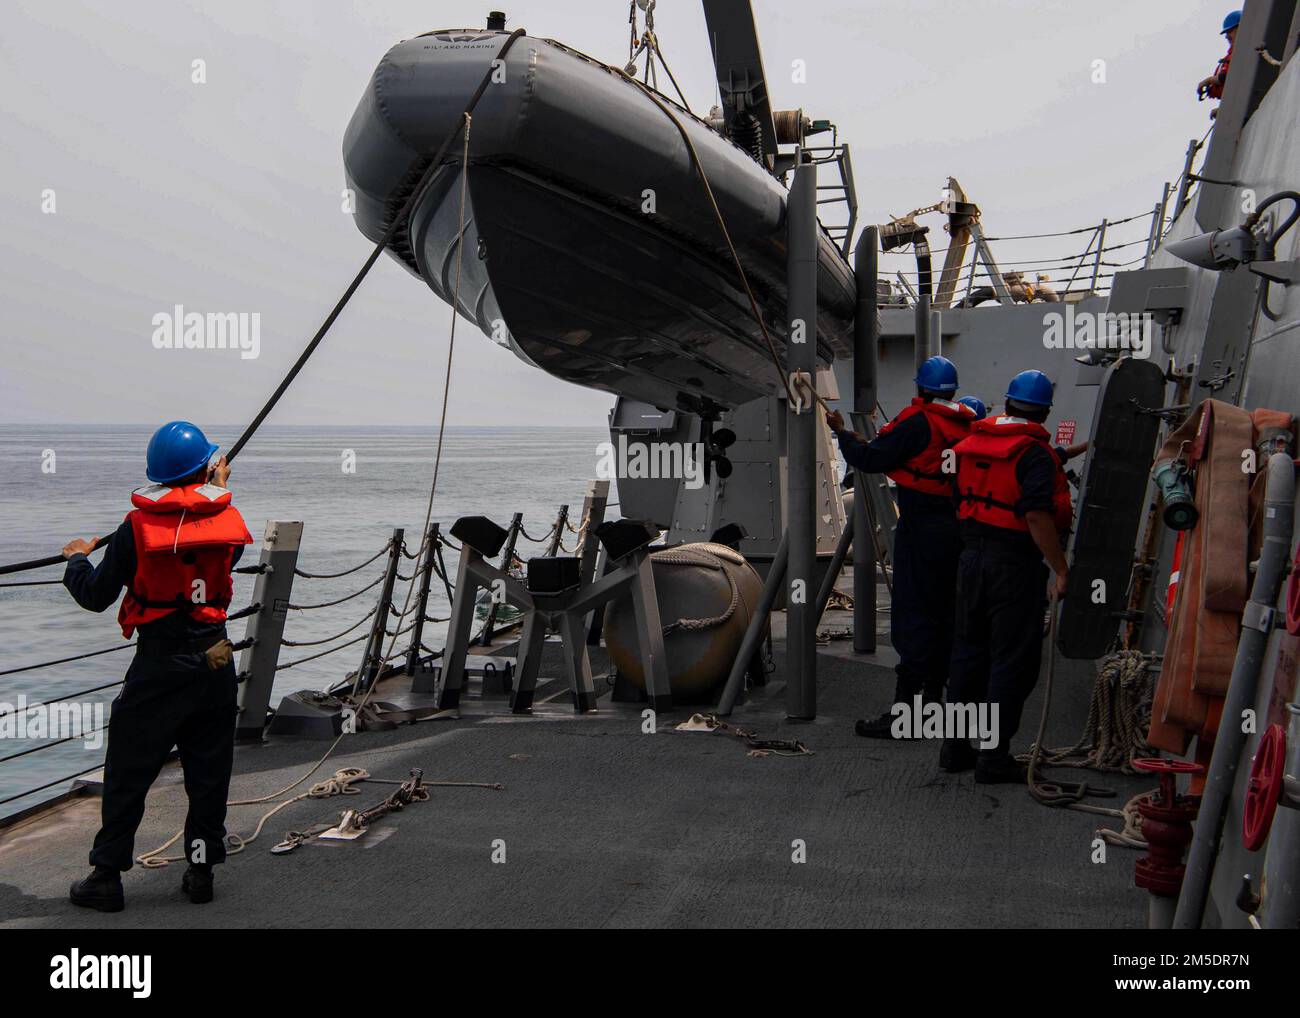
[1212, 87]
[173, 557]
[914, 451]
[1014, 511]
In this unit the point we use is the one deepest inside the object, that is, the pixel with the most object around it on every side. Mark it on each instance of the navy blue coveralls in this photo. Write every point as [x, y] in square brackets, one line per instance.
[1001, 604]
[926, 547]
[170, 698]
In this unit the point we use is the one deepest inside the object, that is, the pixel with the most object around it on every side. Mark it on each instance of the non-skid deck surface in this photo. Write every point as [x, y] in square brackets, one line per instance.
[602, 825]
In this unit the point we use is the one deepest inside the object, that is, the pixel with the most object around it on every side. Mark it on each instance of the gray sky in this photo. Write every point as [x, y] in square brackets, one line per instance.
[225, 196]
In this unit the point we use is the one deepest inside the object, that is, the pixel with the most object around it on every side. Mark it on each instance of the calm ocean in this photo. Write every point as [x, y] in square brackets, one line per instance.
[288, 473]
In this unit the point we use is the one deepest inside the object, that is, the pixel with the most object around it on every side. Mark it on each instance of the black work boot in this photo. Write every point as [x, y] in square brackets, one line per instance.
[998, 767]
[197, 883]
[100, 890]
[878, 727]
[957, 755]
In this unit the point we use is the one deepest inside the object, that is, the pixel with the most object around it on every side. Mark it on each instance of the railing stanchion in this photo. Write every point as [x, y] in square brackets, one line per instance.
[561, 521]
[258, 661]
[422, 602]
[1096, 264]
[507, 560]
[372, 661]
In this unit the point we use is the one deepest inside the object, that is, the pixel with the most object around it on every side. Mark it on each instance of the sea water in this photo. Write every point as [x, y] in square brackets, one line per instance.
[350, 486]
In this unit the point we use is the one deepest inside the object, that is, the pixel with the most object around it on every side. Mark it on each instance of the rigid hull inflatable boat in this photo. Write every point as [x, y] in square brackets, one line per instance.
[561, 263]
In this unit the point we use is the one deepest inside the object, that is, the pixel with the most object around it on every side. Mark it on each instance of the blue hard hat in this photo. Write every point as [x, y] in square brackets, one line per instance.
[1033, 388]
[177, 450]
[937, 374]
[981, 411]
[1231, 22]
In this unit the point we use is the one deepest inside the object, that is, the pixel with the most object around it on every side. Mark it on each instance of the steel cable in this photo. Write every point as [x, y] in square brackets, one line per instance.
[346, 572]
[328, 639]
[348, 597]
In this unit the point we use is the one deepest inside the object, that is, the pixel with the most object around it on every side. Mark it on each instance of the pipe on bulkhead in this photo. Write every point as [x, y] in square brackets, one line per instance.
[802, 422]
[866, 375]
[1257, 625]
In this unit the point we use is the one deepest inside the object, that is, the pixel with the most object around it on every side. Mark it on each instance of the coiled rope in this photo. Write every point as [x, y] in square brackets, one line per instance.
[346, 572]
[1070, 795]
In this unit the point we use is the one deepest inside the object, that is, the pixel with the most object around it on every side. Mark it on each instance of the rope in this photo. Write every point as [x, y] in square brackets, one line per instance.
[399, 218]
[681, 557]
[48, 784]
[317, 643]
[757, 747]
[65, 660]
[69, 696]
[313, 657]
[536, 540]
[1065, 794]
[340, 783]
[330, 604]
[1081, 229]
[346, 572]
[726, 234]
[1118, 718]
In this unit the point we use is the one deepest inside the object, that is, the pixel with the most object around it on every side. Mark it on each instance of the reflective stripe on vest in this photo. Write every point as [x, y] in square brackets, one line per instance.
[184, 543]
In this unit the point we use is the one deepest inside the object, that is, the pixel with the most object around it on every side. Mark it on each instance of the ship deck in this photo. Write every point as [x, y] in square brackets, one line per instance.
[604, 826]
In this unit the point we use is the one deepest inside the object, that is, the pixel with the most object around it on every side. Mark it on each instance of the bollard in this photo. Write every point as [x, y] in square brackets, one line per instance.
[258, 661]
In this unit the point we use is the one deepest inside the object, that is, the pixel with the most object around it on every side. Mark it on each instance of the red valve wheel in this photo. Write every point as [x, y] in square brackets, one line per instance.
[1293, 597]
[1168, 771]
[1264, 788]
[1159, 765]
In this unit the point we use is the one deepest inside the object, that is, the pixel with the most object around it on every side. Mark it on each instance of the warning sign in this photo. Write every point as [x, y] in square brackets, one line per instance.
[1065, 433]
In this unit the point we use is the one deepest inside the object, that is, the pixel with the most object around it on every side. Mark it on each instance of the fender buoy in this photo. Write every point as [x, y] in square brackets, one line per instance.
[707, 594]
[1264, 788]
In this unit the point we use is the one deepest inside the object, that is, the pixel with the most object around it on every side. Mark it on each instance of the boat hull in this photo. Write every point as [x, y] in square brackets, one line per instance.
[590, 247]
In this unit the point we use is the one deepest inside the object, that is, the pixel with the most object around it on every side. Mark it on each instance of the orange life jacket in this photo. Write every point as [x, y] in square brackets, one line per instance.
[1215, 91]
[185, 539]
[949, 424]
[987, 488]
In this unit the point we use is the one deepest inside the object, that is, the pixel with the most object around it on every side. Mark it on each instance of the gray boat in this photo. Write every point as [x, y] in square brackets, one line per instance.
[593, 251]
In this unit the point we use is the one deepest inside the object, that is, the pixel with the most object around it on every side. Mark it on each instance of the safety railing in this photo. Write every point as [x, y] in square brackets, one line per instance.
[1109, 247]
[395, 641]
[1035, 272]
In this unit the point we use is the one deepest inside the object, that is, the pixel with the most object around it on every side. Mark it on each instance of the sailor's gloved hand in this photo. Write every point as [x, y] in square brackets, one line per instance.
[835, 419]
[219, 473]
[78, 547]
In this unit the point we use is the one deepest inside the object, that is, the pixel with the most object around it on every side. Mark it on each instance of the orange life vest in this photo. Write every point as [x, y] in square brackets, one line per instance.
[1215, 91]
[185, 539]
[949, 424]
[987, 488]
